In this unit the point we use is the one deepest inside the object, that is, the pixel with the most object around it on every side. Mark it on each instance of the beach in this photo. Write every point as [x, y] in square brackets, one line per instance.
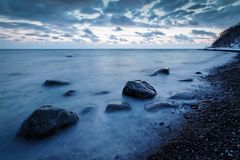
[212, 131]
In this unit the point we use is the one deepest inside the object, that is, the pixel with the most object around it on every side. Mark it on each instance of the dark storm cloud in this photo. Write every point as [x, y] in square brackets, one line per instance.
[202, 32]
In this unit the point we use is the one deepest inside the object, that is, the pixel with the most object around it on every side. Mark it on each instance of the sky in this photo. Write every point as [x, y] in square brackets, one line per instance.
[73, 24]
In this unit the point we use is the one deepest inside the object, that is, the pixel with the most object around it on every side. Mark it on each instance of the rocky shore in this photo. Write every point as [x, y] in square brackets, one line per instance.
[212, 131]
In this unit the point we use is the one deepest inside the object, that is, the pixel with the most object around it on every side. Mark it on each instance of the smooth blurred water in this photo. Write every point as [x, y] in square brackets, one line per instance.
[97, 135]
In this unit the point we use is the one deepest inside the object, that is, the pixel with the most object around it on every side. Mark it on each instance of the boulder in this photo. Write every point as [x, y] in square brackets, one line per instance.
[46, 120]
[118, 107]
[183, 96]
[154, 107]
[56, 83]
[69, 93]
[186, 80]
[139, 89]
[161, 71]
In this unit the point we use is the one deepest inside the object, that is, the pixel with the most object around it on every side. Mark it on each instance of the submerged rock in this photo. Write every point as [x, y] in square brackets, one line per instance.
[88, 110]
[183, 96]
[139, 89]
[186, 80]
[102, 93]
[157, 106]
[46, 120]
[161, 71]
[56, 83]
[69, 93]
[118, 107]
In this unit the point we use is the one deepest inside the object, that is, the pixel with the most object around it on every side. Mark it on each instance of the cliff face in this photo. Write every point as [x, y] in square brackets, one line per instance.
[230, 38]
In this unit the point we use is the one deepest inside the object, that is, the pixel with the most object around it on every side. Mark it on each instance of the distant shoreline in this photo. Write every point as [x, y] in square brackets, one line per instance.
[221, 49]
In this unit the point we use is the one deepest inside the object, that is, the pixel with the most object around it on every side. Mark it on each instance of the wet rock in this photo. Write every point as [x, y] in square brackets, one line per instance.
[198, 72]
[186, 80]
[56, 83]
[46, 120]
[88, 110]
[183, 96]
[157, 106]
[161, 71]
[161, 123]
[118, 107]
[139, 89]
[70, 93]
[102, 93]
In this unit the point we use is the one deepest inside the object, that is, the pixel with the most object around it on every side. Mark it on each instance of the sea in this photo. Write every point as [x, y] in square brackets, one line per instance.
[97, 135]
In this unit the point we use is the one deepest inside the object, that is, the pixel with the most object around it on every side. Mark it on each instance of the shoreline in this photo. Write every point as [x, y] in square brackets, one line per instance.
[212, 131]
[221, 49]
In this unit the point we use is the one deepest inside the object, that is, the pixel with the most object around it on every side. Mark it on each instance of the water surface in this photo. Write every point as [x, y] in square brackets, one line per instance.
[97, 135]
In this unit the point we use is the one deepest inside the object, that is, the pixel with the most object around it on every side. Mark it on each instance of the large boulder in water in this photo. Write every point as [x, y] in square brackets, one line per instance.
[118, 107]
[139, 89]
[56, 83]
[45, 121]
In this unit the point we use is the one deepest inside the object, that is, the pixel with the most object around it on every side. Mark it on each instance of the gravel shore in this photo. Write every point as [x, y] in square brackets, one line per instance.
[212, 131]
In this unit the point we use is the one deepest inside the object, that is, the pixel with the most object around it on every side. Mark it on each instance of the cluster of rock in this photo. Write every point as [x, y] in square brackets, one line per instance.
[48, 119]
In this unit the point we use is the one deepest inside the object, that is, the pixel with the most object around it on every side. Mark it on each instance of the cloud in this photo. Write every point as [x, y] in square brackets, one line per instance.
[183, 38]
[113, 37]
[214, 17]
[121, 20]
[167, 5]
[89, 34]
[117, 29]
[44, 19]
[116, 39]
[197, 6]
[150, 34]
[54, 11]
[203, 33]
